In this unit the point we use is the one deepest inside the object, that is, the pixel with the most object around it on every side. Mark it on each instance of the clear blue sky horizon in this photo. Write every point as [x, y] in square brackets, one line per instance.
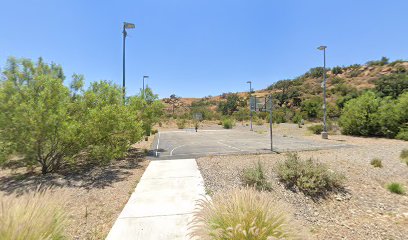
[203, 47]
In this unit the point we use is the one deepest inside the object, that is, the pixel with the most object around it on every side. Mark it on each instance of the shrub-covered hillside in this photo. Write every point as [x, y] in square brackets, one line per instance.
[302, 98]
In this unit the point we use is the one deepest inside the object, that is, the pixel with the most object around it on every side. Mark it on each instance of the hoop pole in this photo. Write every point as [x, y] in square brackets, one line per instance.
[270, 120]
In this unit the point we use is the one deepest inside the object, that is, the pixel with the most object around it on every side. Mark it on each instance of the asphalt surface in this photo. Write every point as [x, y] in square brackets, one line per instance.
[190, 144]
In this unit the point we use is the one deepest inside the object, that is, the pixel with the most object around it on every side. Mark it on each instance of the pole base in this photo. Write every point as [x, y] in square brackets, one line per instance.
[325, 135]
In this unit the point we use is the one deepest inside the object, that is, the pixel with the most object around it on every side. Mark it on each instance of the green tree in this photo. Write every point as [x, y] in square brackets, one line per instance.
[392, 85]
[360, 116]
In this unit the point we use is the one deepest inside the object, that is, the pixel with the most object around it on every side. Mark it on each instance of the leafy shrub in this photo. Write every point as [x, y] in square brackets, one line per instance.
[54, 124]
[396, 188]
[309, 176]
[259, 122]
[383, 61]
[337, 70]
[392, 85]
[32, 216]
[376, 162]
[316, 129]
[359, 116]
[312, 107]
[337, 80]
[255, 177]
[242, 214]
[316, 72]
[354, 73]
[228, 123]
[181, 123]
[154, 131]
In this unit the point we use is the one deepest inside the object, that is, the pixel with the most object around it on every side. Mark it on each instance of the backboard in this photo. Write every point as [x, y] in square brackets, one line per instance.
[260, 104]
[198, 116]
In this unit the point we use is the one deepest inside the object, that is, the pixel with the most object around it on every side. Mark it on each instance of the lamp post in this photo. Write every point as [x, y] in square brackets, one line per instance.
[325, 135]
[250, 94]
[125, 26]
[144, 85]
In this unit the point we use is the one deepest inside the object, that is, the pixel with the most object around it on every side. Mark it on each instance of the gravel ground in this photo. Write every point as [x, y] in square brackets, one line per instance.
[93, 198]
[365, 210]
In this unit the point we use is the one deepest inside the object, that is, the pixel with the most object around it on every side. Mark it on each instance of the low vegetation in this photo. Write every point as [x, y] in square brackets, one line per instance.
[32, 216]
[181, 123]
[242, 214]
[256, 177]
[308, 176]
[316, 129]
[228, 123]
[376, 162]
[396, 188]
[404, 156]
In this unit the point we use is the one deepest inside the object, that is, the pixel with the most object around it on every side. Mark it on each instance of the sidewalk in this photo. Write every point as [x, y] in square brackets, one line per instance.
[162, 204]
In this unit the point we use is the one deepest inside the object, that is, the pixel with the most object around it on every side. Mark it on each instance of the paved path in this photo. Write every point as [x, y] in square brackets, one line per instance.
[162, 204]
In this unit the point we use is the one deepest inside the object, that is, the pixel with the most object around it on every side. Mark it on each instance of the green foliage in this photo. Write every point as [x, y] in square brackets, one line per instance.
[337, 70]
[259, 121]
[316, 129]
[316, 72]
[312, 107]
[242, 214]
[309, 176]
[337, 80]
[228, 123]
[242, 114]
[359, 116]
[368, 115]
[383, 61]
[51, 124]
[33, 216]
[396, 188]
[402, 134]
[392, 85]
[181, 123]
[343, 89]
[255, 177]
[231, 105]
[376, 162]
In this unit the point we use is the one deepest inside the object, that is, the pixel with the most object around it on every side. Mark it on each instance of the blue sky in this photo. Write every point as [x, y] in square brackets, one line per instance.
[194, 48]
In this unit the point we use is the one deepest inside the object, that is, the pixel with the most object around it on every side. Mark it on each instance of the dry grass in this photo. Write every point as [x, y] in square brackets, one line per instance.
[33, 216]
[242, 214]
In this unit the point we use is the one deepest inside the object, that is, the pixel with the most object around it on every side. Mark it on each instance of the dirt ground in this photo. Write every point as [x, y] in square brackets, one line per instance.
[93, 197]
[364, 210]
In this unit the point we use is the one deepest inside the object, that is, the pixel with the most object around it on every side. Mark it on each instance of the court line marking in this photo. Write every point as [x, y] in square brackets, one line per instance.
[171, 152]
[230, 146]
[158, 142]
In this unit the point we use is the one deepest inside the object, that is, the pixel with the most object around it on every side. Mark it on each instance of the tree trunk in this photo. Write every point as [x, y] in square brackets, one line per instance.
[44, 168]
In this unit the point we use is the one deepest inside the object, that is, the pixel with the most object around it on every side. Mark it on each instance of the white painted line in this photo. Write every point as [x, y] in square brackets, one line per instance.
[199, 153]
[229, 146]
[158, 142]
[171, 152]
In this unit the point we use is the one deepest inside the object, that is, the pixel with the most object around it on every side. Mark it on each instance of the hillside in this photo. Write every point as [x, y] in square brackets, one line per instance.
[343, 83]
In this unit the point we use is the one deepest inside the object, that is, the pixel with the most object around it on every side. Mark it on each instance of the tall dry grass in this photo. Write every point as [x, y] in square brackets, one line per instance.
[32, 216]
[242, 214]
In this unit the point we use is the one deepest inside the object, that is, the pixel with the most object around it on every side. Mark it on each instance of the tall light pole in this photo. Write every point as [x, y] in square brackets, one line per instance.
[144, 85]
[250, 94]
[125, 26]
[325, 135]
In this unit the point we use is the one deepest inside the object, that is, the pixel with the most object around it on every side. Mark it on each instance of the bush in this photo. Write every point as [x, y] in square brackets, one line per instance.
[316, 129]
[396, 188]
[242, 214]
[154, 131]
[337, 70]
[53, 124]
[309, 176]
[259, 122]
[392, 85]
[376, 162]
[228, 123]
[383, 61]
[255, 177]
[312, 107]
[32, 216]
[181, 123]
[359, 116]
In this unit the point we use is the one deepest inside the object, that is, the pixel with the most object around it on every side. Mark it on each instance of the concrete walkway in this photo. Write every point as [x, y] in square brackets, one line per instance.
[162, 205]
